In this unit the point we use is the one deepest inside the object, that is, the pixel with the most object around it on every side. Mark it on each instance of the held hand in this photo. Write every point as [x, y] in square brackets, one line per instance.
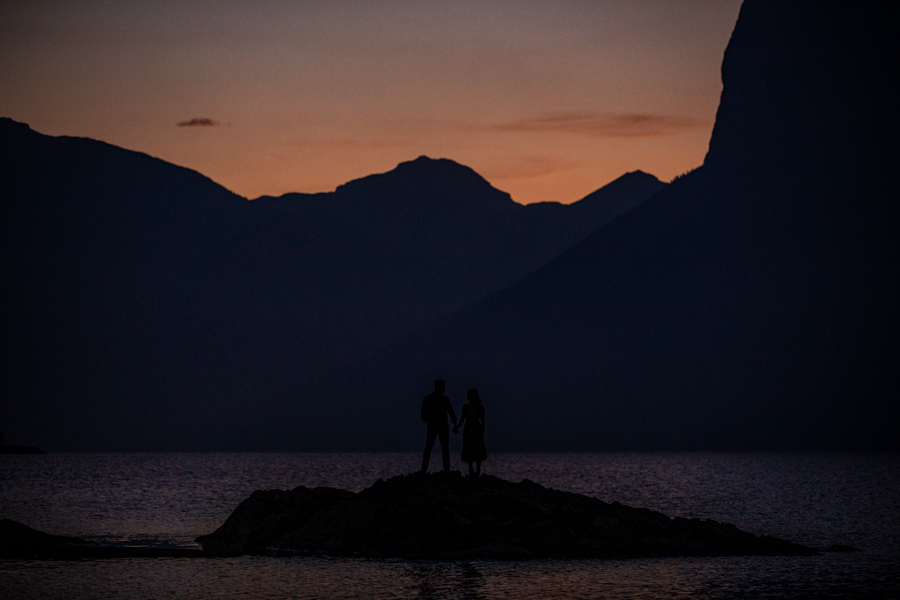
[456, 429]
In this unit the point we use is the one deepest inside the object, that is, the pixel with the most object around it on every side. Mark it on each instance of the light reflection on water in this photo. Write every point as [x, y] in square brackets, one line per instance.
[168, 499]
[748, 577]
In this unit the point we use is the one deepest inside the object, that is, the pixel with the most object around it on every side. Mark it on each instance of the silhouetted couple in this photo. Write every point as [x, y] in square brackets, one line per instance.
[436, 408]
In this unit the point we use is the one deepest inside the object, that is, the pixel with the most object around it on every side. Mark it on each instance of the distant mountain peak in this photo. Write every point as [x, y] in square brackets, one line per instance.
[424, 158]
[426, 179]
[425, 166]
[638, 174]
[636, 186]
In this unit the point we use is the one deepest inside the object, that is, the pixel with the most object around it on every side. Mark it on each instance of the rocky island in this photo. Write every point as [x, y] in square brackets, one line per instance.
[447, 517]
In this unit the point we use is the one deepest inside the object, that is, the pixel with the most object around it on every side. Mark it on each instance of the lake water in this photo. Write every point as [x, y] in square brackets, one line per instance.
[169, 499]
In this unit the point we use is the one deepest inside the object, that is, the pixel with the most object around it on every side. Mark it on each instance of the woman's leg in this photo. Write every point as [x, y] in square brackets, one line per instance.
[477, 467]
[471, 470]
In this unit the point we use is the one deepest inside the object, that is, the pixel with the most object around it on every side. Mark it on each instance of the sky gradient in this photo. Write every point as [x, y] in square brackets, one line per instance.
[549, 101]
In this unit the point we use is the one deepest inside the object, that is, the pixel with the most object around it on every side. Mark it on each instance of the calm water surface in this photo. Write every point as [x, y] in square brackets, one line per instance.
[169, 499]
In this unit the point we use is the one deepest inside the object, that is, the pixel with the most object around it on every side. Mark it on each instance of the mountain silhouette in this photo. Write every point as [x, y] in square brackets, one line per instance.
[440, 228]
[439, 182]
[150, 308]
[750, 305]
[139, 296]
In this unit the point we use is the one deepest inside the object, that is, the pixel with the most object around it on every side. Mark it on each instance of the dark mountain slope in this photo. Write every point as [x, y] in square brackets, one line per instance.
[448, 237]
[619, 196]
[146, 307]
[750, 305]
[140, 299]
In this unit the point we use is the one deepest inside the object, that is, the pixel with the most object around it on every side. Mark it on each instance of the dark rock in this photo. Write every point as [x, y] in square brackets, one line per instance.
[441, 516]
[268, 515]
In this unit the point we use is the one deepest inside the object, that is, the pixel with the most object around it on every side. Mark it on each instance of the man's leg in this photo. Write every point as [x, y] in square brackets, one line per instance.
[444, 434]
[429, 444]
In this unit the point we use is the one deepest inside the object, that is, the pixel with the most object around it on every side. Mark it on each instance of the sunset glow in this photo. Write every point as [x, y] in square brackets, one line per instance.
[549, 101]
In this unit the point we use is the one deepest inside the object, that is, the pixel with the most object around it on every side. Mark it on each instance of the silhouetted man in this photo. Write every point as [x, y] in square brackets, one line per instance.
[435, 408]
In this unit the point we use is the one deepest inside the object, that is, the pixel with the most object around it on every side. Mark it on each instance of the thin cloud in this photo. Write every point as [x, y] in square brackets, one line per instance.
[199, 122]
[601, 124]
[342, 144]
[525, 168]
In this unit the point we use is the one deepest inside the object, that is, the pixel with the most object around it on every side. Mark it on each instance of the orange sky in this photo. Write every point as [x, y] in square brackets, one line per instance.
[547, 100]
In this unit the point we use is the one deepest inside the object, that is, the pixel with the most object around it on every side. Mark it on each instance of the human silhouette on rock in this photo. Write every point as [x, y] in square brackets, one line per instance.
[472, 416]
[435, 408]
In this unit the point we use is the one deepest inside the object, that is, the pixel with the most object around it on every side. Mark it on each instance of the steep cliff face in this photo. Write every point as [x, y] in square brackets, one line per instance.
[808, 83]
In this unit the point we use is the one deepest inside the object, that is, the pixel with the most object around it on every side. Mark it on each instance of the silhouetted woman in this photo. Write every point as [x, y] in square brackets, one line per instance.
[472, 416]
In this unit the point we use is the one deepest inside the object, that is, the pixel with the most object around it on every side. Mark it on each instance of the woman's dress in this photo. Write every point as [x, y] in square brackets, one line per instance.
[473, 433]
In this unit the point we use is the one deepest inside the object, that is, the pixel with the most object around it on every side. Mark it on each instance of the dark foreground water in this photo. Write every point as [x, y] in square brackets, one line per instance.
[169, 499]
